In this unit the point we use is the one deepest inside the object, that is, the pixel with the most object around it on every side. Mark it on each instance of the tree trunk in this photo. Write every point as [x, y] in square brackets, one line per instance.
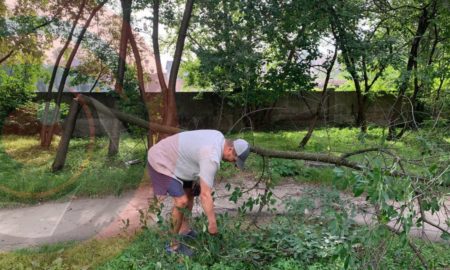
[140, 74]
[121, 67]
[47, 130]
[114, 136]
[361, 115]
[114, 139]
[417, 104]
[69, 64]
[350, 63]
[159, 70]
[170, 115]
[63, 147]
[312, 126]
[412, 59]
[437, 97]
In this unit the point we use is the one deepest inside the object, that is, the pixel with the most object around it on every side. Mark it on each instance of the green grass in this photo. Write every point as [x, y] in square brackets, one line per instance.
[25, 174]
[71, 255]
[25, 169]
[425, 148]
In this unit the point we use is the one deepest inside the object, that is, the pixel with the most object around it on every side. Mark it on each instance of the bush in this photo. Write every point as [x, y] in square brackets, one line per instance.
[17, 86]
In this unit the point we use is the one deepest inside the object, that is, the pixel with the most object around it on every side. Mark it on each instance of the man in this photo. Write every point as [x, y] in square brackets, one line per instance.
[178, 161]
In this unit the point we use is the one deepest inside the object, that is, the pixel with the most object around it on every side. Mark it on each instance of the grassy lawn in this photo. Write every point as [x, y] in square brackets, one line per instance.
[72, 255]
[416, 148]
[25, 175]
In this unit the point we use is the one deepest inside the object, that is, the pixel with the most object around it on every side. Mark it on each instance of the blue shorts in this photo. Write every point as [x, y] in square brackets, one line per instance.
[163, 184]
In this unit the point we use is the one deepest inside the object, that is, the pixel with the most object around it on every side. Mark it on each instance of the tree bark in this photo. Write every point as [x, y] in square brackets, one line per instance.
[63, 147]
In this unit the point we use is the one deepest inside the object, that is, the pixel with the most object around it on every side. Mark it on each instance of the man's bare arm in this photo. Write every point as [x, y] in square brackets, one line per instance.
[208, 206]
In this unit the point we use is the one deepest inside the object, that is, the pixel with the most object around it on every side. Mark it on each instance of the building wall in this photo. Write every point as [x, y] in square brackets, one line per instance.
[200, 111]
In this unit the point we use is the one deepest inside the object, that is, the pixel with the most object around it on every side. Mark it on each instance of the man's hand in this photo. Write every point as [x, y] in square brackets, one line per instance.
[212, 229]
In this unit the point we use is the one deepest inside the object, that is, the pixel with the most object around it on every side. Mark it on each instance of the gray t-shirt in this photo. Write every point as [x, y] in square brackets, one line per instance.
[189, 155]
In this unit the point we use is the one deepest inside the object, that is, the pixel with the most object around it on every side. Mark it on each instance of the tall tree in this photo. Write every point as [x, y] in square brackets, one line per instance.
[255, 51]
[364, 48]
[114, 136]
[168, 89]
[66, 71]
[141, 84]
[426, 13]
[46, 130]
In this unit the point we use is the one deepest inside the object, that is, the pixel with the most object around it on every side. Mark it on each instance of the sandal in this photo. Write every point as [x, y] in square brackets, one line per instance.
[191, 234]
[182, 249]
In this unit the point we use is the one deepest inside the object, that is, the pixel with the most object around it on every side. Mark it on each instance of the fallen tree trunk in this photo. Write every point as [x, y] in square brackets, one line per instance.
[127, 117]
[337, 160]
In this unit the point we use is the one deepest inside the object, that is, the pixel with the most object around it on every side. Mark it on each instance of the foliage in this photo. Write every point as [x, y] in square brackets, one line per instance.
[63, 111]
[310, 237]
[22, 29]
[17, 84]
[284, 168]
[252, 52]
[301, 239]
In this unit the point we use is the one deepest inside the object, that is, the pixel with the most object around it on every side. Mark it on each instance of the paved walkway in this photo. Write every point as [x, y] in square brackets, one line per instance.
[81, 219]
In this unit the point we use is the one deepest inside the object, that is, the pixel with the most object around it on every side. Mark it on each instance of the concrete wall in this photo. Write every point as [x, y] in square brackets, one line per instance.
[197, 111]
[290, 112]
[340, 108]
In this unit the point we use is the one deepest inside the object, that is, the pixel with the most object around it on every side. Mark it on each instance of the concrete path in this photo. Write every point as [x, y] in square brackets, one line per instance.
[81, 219]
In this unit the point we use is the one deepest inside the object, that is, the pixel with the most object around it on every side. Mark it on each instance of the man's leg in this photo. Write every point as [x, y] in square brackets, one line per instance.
[180, 205]
[185, 228]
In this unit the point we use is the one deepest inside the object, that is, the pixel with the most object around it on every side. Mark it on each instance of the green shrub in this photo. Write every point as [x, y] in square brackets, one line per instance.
[18, 83]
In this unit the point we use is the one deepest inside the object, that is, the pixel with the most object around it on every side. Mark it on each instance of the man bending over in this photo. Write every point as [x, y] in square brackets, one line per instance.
[178, 161]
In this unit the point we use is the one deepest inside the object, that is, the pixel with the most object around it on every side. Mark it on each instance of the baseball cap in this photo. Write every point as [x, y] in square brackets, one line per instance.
[242, 149]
